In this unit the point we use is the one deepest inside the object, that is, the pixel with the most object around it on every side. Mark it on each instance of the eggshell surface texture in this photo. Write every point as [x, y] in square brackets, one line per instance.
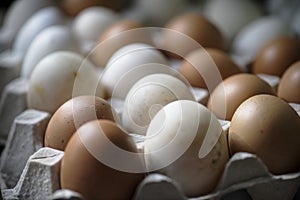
[251, 39]
[267, 126]
[192, 25]
[207, 67]
[148, 96]
[34, 25]
[58, 77]
[54, 38]
[119, 34]
[71, 115]
[91, 23]
[82, 172]
[186, 142]
[229, 94]
[129, 64]
[289, 85]
[276, 56]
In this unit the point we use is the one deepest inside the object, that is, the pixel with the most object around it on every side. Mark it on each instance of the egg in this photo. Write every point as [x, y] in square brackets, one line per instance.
[277, 55]
[157, 12]
[84, 172]
[147, 96]
[192, 25]
[186, 142]
[58, 77]
[34, 25]
[119, 34]
[205, 68]
[53, 38]
[90, 23]
[251, 38]
[289, 85]
[231, 15]
[129, 64]
[74, 7]
[16, 16]
[71, 115]
[233, 91]
[267, 126]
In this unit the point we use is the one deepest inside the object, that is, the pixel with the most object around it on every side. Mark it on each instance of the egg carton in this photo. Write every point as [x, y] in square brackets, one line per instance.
[26, 165]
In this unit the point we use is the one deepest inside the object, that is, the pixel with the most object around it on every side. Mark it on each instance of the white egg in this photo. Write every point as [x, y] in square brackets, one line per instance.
[129, 64]
[255, 35]
[92, 22]
[34, 25]
[17, 14]
[231, 15]
[54, 38]
[148, 96]
[58, 77]
[158, 12]
[186, 142]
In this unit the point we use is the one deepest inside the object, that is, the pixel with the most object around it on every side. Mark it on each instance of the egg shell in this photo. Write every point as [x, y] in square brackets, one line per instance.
[186, 142]
[128, 65]
[192, 25]
[267, 126]
[71, 115]
[58, 77]
[89, 24]
[119, 34]
[16, 16]
[207, 67]
[147, 96]
[83, 173]
[277, 55]
[74, 7]
[157, 12]
[231, 15]
[250, 39]
[233, 91]
[34, 25]
[289, 85]
[53, 38]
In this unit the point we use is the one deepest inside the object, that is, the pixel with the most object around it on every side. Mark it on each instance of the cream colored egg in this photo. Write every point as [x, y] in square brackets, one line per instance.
[54, 38]
[186, 142]
[34, 25]
[148, 96]
[90, 23]
[58, 77]
[129, 64]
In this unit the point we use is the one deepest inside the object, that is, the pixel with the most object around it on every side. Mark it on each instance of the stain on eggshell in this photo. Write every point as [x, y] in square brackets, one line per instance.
[71, 115]
[194, 26]
[229, 94]
[289, 85]
[199, 67]
[119, 34]
[83, 172]
[277, 56]
[269, 127]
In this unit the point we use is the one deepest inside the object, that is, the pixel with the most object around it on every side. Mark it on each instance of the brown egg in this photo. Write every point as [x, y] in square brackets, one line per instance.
[268, 127]
[229, 94]
[71, 115]
[205, 68]
[121, 33]
[194, 26]
[73, 7]
[289, 86]
[83, 168]
[277, 56]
